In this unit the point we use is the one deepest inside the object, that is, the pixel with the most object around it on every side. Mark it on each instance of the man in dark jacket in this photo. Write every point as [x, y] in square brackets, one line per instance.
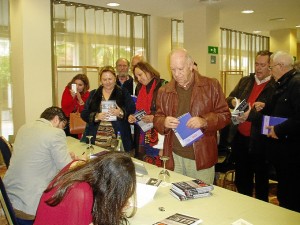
[124, 80]
[284, 139]
[247, 146]
[203, 98]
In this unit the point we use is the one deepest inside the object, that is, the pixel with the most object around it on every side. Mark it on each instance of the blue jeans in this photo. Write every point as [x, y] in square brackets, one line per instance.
[24, 222]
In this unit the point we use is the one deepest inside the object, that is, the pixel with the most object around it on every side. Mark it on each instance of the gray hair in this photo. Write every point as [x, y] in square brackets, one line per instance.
[283, 58]
[187, 56]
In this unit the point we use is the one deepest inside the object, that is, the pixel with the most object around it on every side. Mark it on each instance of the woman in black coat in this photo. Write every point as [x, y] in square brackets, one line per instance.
[100, 124]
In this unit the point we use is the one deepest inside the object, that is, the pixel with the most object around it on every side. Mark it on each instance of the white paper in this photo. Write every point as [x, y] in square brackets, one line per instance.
[146, 188]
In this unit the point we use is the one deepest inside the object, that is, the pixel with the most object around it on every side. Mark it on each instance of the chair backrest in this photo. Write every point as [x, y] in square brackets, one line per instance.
[7, 206]
[5, 149]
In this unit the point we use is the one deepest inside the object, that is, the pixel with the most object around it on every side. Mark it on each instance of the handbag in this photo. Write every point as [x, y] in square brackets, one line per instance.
[77, 125]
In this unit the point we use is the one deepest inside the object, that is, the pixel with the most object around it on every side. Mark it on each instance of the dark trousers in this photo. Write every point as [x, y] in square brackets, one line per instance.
[249, 166]
[288, 194]
[24, 222]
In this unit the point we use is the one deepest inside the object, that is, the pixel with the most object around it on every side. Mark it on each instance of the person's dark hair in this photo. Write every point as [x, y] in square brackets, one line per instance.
[264, 53]
[107, 69]
[53, 111]
[84, 79]
[146, 67]
[113, 181]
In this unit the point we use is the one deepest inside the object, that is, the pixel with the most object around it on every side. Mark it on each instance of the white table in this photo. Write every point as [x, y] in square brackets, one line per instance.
[222, 208]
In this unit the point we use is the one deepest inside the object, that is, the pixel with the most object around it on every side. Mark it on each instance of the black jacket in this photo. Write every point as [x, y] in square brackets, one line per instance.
[92, 106]
[285, 103]
[243, 91]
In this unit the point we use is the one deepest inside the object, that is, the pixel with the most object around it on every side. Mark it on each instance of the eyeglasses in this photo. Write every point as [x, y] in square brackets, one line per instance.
[271, 67]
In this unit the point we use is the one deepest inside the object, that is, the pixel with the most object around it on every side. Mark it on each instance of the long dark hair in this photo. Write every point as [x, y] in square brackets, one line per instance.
[84, 79]
[147, 68]
[113, 181]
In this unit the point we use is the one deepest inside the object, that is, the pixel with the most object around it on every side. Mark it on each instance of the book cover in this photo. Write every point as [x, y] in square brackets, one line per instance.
[106, 105]
[192, 187]
[179, 219]
[144, 126]
[239, 110]
[182, 197]
[270, 121]
[186, 135]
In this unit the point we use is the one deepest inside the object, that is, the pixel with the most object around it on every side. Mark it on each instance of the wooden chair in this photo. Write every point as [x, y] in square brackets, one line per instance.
[228, 180]
[7, 206]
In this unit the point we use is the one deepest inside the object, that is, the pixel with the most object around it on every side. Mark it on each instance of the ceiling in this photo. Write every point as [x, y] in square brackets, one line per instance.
[230, 12]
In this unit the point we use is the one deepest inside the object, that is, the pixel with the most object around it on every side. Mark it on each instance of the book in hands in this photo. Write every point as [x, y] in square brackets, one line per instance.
[106, 106]
[144, 126]
[186, 135]
[179, 219]
[239, 110]
[270, 121]
[183, 197]
[191, 187]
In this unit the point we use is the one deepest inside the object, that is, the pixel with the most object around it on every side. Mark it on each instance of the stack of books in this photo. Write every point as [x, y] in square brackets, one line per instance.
[186, 190]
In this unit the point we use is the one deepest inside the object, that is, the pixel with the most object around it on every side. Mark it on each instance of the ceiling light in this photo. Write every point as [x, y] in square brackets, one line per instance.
[256, 31]
[113, 4]
[298, 26]
[248, 11]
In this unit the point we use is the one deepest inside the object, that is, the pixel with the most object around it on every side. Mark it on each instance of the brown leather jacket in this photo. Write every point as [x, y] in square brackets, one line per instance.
[208, 102]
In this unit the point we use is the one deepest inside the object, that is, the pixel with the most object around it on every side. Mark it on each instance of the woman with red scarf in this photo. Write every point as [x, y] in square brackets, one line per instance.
[146, 91]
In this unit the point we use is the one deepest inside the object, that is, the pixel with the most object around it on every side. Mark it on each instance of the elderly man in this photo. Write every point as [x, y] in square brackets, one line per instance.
[124, 80]
[247, 145]
[203, 98]
[284, 139]
[40, 151]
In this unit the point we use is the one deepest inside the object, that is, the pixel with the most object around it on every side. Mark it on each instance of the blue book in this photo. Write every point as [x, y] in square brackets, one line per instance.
[186, 135]
[270, 121]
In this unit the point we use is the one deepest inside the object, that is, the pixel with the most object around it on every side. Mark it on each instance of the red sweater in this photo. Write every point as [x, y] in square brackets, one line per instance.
[75, 208]
[70, 104]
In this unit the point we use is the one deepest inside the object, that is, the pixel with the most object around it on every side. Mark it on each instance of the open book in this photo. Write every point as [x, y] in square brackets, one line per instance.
[239, 110]
[144, 126]
[146, 188]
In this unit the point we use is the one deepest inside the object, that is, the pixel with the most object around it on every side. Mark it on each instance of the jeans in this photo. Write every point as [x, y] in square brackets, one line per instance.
[24, 222]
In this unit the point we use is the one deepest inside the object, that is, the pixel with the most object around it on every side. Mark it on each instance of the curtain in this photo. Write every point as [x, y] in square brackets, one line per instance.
[86, 35]
[177, 33]
[238, 50]
[6, 122]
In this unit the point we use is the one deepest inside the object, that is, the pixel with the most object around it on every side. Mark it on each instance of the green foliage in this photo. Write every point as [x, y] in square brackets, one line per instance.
[4, 71]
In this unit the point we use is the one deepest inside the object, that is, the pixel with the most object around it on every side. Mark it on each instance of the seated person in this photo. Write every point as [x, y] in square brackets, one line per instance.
[96, 191]
[40, 152]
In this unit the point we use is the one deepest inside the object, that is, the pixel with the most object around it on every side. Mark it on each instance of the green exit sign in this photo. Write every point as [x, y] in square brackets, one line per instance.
[212, 50]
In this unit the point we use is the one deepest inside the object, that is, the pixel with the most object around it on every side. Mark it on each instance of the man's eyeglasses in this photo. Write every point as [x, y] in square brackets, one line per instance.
[271, 67]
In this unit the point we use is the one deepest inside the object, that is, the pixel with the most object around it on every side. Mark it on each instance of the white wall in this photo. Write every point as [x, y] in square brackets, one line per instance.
[31, 59]
[284, 40]
[160, 45]
[201, 29]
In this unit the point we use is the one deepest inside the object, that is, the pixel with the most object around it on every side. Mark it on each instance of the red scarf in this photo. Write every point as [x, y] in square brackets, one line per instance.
[144, 99]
